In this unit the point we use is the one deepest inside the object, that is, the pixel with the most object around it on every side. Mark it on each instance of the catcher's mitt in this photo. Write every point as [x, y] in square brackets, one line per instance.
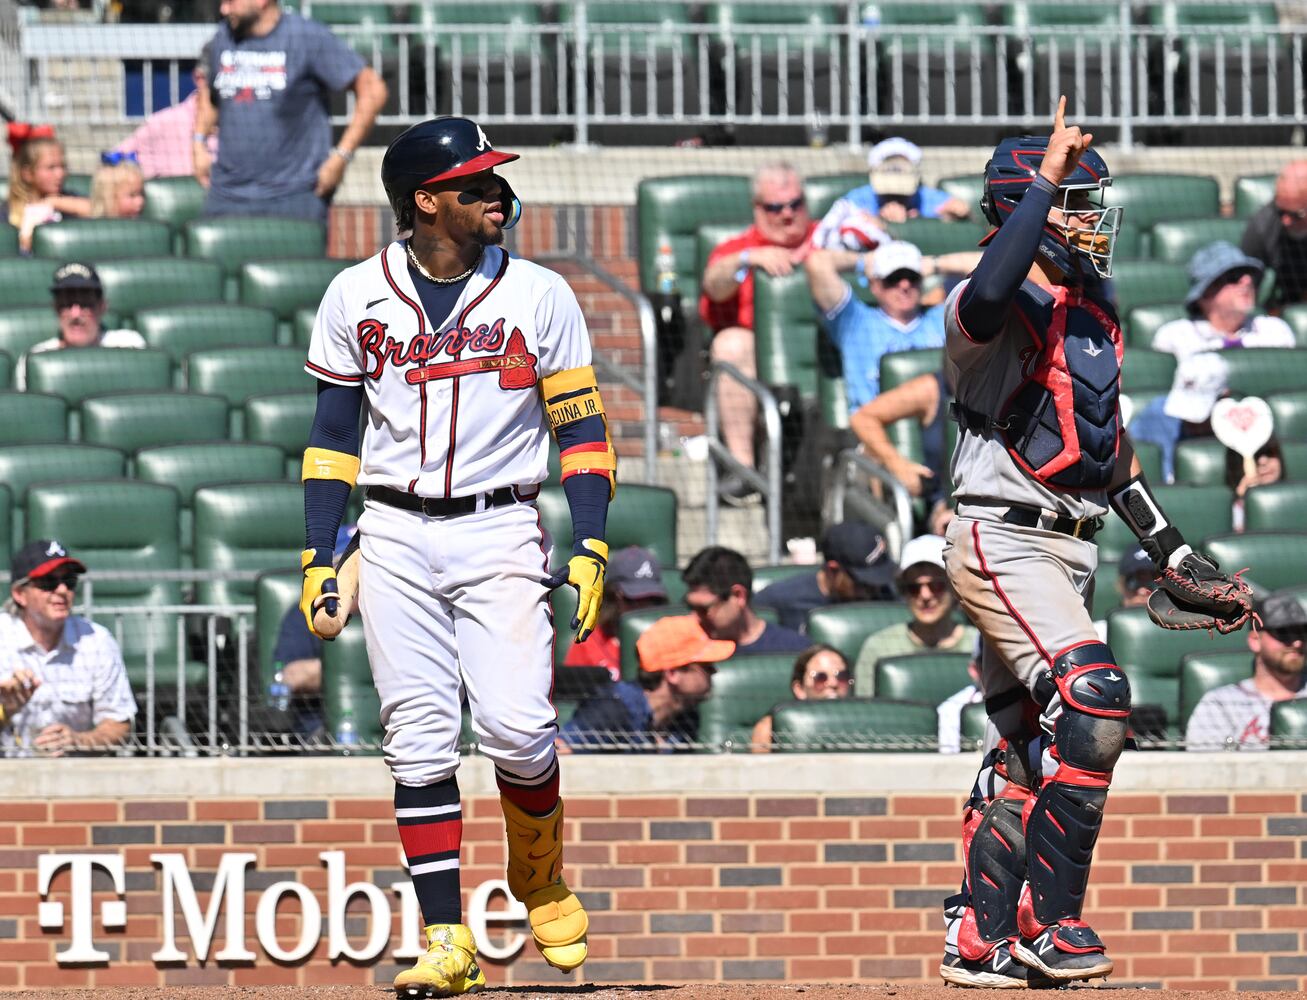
[1196, 594]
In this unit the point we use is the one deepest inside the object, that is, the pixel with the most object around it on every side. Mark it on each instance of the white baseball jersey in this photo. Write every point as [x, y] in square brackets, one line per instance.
[453, 404]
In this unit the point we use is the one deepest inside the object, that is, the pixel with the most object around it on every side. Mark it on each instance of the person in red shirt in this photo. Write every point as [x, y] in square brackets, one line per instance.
[777, 242]
[634, 580]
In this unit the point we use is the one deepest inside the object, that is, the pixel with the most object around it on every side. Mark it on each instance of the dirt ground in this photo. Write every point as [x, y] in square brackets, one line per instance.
[714, 991]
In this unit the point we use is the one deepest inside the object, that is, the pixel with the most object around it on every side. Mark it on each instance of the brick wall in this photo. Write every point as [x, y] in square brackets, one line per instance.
[1198, 888]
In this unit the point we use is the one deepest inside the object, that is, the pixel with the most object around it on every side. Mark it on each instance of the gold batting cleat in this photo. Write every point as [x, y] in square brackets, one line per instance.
[448, 969]
[535, 877]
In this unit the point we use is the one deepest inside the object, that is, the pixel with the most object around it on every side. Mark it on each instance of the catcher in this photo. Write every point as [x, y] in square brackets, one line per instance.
[1035, 348]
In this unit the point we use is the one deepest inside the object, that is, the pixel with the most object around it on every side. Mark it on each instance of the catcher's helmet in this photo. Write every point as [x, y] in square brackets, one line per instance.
[437, 150]
[1010, 172]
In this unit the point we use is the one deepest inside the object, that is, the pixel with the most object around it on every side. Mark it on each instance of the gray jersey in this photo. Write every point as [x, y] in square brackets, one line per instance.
[985, 376]
[1236, 715]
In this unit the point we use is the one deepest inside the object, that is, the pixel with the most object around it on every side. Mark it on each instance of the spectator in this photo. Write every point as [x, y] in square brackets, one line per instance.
[1186, 411]
[1222, 300]
[118, 187]
[80, 304]
[855, 567]
[68, 687]
[895, 192]
[923, 583]
[719, 590]
[1238, 716]
[777, 242]
[1267, 467]
[634, 580]
[36, 181]
[1136, 578]
[863, 333]
[821, 673]
[948, 713]
[268, 86]
[162, 143]
[677, 662]
[1277, 235]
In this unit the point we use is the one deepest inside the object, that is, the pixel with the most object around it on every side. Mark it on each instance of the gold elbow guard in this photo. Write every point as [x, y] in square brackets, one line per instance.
[322, 463]
[571, 395]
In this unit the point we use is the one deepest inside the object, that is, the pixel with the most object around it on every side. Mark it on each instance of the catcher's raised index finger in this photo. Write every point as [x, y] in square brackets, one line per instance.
[1059, 116]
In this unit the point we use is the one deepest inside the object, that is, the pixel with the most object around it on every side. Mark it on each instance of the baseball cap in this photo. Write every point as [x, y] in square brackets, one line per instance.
[895, 256]
[76, 277]
[890, 148]
[893, 167]
[1135, 562]
[1200, 380]
[635, 574]
[928, 549]
[1213, 261]
[45, 555]
[679, 641]
[1282, 610]
[861, 550]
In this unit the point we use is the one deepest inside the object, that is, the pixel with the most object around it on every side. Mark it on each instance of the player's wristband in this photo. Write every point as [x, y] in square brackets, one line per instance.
[1139, 509]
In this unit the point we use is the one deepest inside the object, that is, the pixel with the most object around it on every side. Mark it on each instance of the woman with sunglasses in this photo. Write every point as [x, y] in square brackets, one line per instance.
[821, 673]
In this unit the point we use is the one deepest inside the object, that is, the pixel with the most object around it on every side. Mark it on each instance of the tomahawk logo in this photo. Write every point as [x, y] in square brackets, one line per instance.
[482, 142]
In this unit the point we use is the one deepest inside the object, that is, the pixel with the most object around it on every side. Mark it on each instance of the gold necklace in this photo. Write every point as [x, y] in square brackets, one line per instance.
[442, 281]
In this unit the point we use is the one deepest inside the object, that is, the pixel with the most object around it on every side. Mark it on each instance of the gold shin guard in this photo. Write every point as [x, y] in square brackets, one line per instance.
[535, 866]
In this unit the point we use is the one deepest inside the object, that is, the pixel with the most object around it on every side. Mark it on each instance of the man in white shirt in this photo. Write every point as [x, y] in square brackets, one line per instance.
[1222, 299]
[80, 304]
[1238, 716]
[63, 685]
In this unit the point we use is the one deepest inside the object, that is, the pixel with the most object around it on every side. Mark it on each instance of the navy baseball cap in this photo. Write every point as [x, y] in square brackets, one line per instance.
[45, 555]
[1135, 562]
[1282, 610]
[635, 574]
[861, 550]
[76, 277]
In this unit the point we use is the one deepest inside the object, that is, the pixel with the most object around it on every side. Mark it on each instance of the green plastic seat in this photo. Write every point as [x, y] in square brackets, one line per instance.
[302, 326]
[744, 689]
[1274, 559]
[1200, 462]
[1274, 507]
[1139, 282]
[1107, 597]
[1150, 457]
[231, 241]
[1147, 371]
[246, 526]
[967, 187]
[1161, 692]
[785, 332]
[928, 677]
[847, 626]
[21, 328]
[32, 418]
[879, 724]
[562, 603]
[1144, 321]
[133, 285]
[631, 626]
[936, 236]
[1289, 724]
[1290, 411]
[78, 184]
[347, 687]
[1141, 647]
[8, 239]
[1296, 316]
[179, 330]
[1153, 198]
[87, 371]
[101, 239]
[274, 593]
[1178, 239]
[1202, 672]
[25, 281]
[287, 285]
[1201, 510]
[671, 210]
[239, 372]
[281, 419]
[173, 200]
[133, 420]
[638, 515]
[1253, 192]
[1266, 370]
[6, 518]
[6, 370]
[902, 366]
[973, 723]
[822, 192]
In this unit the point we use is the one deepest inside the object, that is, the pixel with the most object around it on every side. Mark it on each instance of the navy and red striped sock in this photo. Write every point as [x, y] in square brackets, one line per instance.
[430, 820]
[536, 796]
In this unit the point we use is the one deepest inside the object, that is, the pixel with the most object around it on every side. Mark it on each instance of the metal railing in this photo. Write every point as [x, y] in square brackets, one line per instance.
[895, 519]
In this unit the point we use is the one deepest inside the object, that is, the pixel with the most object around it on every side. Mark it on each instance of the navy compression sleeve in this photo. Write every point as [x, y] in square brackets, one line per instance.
[984, 304]
[336, 428]
[587, 499]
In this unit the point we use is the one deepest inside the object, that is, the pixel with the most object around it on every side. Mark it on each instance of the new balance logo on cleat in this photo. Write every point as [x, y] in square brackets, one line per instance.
[1064, 952]
[996, 971]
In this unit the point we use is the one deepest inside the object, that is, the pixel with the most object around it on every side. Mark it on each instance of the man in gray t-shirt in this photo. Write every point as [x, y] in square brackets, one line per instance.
[271, 76]
[1238, 716]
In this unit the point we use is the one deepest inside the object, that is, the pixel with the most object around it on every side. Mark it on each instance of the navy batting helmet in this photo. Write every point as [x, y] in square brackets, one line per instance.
[1008, 176]
[438, 150]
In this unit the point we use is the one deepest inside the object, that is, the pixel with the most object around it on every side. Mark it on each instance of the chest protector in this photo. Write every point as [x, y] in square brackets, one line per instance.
[1063, 420]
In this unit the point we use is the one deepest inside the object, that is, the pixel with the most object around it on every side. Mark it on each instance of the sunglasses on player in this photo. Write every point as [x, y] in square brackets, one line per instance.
[777, 207]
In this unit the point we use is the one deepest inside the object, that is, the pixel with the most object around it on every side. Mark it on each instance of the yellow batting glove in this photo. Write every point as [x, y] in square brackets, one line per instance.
[584, 572]
[319, 583]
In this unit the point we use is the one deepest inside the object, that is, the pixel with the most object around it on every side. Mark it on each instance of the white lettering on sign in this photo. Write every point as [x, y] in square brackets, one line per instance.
[227, 900]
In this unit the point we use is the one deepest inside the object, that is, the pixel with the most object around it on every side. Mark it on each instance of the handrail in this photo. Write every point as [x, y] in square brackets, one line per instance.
[854, 459]
[770, 487]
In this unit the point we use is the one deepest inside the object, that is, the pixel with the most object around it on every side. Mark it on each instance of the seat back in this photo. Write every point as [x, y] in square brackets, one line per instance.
[638, 515]
[1289, 723]
[179, 330]
[902, 366]
[973, 722]
[1252, 192]
[92, 371]
[928, 677]
[1202, 672]
[671, 209]
[347, 688]
[965, 187]
[246, 526]
[879, 724]
[1200, 462]
[1161, 692]
[174, 200]
[101, 239]
[1179, 239]
[133, 285]
[32, 418]
[1152, 198]
[1274, 506]
[25, 281]
[22, 327]
[1266, 370]
[287, 285]
[26, 465]
[1144, 321]
[1296, 316]
[822, 192]
[785, 332]
[1139, 282]
[8, 237]
[6, 519]
[281, 419]
[275, 592]
[231, 241]
[129, 421]
[1273, 559]
[744, 689]
[1141, 647]
[847, 626]
[1147, 371]
[239, 373]
[629, 629]
[936, 236]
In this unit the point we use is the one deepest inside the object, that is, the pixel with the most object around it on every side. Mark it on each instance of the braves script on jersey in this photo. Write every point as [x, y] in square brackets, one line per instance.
[452, 401]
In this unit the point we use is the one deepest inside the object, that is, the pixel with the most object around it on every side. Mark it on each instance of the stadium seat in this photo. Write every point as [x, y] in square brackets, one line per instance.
[1107, 597]
[1139, 282]
[348, 690]
[1273, 559]
[1144, 321]
[1289, 724]
[631, 626]
[130, 421]
[1200, 462]
[822, 192]
[302, 328]
[1141, 647]
[239, 372]
[25, 281]
[1160, 692]
[101, 239]
[275, 592]
[91, 371]
[25, 465]
[281, 419]
[1252, 192]
[1290, 412]
[287, 285]
[1274, 506]
[246, 526]
[234, 240]
[1201, 672]
[1179, 239]
[8, 240]
[133, 285]
[21, 328]
[1266, 370]
[928, 677]
[562, 603]
[744, 689]
[902, 366]
[32, 418]
[1296, 316]
[847, 626]
[879, 724]
[78, 184]
[785, 332]
[179, 330]
[974, 721]
[1147, 371]
[173, 200]
[1150, 457]
[967, 187]
[6, 370]
[1199, 510]
[639, 515]
[1153, 198]
[6, 518]
[935, 236]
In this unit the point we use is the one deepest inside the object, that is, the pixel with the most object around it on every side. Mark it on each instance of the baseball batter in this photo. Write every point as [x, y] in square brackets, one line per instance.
[459, 359]
[1034, 348]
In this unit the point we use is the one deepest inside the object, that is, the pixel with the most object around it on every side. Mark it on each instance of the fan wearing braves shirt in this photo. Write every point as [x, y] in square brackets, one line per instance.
[460, 359]
[1034, 349]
